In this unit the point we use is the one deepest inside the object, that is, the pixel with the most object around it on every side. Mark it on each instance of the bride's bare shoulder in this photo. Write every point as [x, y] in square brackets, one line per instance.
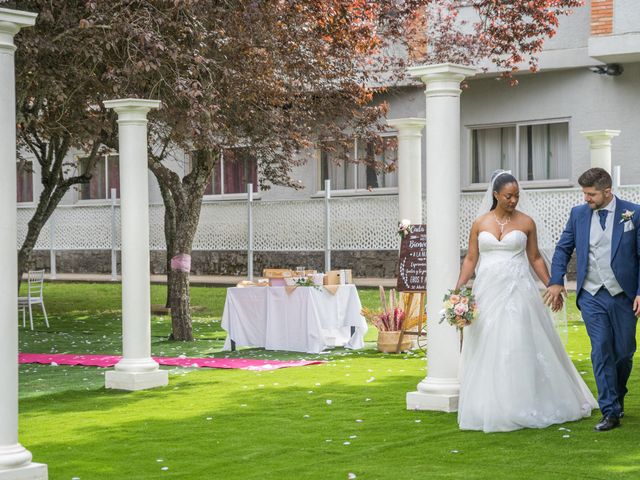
[526, 222]
[482, 218]
[480, 222]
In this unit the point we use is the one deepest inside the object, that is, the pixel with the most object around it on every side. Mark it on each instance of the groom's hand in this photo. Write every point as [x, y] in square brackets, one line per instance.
[636, 306]
[553, 296]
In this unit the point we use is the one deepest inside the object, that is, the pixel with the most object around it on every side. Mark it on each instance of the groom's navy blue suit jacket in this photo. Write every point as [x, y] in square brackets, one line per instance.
[625, 247]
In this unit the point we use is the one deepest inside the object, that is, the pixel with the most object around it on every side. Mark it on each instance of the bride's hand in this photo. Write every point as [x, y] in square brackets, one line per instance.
[557, 305]
[554, 297]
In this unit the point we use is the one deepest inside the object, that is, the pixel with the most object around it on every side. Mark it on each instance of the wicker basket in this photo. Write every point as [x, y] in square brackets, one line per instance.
[388, 342]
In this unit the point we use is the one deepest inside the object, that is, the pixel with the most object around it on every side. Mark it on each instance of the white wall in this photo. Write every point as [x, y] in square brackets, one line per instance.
[626, 16]
[590, 102]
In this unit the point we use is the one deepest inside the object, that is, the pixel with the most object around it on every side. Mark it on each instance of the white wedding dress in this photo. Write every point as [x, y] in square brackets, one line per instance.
[514, 370]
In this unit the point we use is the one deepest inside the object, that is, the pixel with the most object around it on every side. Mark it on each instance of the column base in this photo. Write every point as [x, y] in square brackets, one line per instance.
[439, 402]
[132, 381]
[32, 471]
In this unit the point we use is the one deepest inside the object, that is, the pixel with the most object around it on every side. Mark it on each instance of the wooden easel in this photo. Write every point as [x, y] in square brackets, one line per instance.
[414, 315]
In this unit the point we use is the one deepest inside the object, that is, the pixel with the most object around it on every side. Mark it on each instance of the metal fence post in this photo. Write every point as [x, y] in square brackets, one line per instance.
[52, 245]
[250, 231]
[114, 263]
[327, 226]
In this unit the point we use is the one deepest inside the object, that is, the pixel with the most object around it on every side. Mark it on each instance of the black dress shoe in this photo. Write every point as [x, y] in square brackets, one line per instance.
[608, 422]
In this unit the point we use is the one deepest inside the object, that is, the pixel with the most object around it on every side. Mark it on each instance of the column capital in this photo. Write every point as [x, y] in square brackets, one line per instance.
[11, 21]
[132, 111]
[442, 71]
[600, 138]
[442, 79]
[410, 126]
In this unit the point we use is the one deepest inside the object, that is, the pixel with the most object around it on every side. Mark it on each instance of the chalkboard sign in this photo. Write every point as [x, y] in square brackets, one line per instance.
[412, 272]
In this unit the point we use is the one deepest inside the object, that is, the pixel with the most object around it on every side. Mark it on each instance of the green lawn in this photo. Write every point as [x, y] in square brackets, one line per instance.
[318, 422]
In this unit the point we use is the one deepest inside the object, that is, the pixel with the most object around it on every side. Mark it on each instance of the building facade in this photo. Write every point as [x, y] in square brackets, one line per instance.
[589, 79]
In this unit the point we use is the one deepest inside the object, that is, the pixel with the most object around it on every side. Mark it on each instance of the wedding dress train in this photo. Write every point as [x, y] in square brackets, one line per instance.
[514, 370]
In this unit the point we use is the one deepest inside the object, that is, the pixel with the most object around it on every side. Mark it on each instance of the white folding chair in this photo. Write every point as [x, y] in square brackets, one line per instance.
[35, 281]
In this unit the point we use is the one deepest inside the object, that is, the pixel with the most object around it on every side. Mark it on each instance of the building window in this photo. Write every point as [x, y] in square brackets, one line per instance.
[533, 152]
[24, 178]
[376, 166]
[105, 176]
[236, 168]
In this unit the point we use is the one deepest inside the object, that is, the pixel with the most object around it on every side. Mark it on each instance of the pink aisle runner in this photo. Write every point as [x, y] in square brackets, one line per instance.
[111, 360]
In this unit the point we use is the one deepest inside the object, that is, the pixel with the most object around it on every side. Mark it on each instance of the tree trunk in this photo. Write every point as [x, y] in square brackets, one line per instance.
[35, 225]
[183, 200]
[169, 233]
[180, 302]
[178, 281]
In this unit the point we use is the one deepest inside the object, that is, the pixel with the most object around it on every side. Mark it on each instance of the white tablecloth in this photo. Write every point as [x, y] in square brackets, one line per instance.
[307, 319]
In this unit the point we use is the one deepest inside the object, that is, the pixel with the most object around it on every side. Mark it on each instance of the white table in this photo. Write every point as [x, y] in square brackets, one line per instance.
[306, 319]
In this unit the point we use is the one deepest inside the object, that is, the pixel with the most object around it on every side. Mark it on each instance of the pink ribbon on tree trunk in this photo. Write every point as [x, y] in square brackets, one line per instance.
[181, 263]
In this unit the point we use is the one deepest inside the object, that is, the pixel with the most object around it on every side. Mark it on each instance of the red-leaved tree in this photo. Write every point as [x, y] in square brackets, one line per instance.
[270, 75]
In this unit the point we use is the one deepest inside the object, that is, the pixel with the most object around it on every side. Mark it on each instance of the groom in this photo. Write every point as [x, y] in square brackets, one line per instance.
[605, 232]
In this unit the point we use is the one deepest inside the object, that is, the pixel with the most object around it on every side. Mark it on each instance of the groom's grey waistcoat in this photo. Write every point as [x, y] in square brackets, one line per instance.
[599, 271]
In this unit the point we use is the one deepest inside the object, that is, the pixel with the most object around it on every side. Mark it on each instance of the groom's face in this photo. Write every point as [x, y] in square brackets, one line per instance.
[596, 198]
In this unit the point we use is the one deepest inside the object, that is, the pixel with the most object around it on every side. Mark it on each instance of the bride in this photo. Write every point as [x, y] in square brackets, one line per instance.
[514, 370]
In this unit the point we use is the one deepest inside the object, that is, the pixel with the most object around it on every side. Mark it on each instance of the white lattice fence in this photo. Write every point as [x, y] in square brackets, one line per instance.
[75, 228]
[364, 223]
[368, 223]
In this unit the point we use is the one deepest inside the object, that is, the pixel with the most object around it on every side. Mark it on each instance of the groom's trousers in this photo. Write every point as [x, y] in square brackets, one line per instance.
[611, 325]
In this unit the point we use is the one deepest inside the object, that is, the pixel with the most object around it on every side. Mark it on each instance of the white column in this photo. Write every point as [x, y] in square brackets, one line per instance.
[409, 167]
[600, 147]
[440, 389]
[136, 370]
[15, 460]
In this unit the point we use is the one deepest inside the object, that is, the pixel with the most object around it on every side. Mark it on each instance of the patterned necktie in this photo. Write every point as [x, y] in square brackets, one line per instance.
[603, 218]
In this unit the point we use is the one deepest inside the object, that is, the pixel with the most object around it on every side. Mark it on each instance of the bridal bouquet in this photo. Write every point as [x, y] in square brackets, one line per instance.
[459, 305]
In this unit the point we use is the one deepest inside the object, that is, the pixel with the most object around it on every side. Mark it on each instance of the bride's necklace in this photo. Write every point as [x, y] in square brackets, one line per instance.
[502, 223]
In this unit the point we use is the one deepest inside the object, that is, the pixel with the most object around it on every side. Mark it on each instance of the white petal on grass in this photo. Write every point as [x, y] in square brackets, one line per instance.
[346, 443]
[418, 421]
[329, 402]
[455, 451]
[358, 421]
[371, 379]
[164, 468]
[566, 436]
[351, 476]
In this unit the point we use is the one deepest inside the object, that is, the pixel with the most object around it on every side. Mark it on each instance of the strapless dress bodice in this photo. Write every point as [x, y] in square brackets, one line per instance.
[512, 247]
